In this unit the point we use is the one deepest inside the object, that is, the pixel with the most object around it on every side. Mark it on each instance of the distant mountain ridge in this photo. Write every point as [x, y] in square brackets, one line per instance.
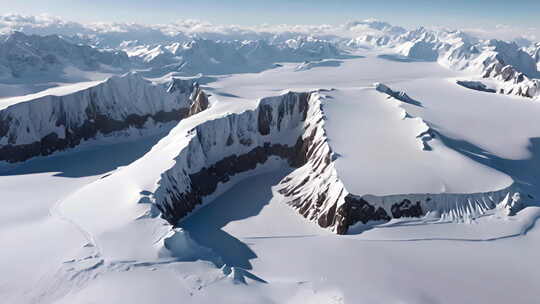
[24, 55]
[191, 47]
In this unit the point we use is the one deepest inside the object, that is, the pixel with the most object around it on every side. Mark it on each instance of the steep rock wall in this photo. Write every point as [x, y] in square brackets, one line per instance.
[291, 127]
[222, 148]
[47, 124]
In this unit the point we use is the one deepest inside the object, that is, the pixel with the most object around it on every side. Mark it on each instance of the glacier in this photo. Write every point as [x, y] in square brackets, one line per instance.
[266, 164]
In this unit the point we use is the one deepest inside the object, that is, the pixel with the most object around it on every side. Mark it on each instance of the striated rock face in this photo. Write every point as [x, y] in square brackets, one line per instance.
[46, 124]
[513, 81]
[318, 193]
[222, 148]
[290, 127]
[511, 54]
[514, 69]
[199, 101]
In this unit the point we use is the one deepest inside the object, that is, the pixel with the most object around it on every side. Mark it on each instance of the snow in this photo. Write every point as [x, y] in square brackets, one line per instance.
[81, 226]
[32, 232]
[378, 265]
[26, 58]
[55, 91]
[307, 65]
[78, 113]
[366, 130]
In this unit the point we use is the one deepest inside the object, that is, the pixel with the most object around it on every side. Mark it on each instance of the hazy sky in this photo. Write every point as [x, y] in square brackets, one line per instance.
[452, 13]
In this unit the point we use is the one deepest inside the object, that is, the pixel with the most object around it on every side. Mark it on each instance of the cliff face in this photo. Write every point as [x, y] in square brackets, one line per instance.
[318, 193]
[513, 81]
[127, 104]
[290, 127]
[222, 148]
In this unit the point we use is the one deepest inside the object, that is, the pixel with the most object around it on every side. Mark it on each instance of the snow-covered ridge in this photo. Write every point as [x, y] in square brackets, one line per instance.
[291, 128]
[222, 148]
[512, 68]
[162, 49]
[318, 193]
[512, 82]
[223, 57]
[23, 56]
[55, 58]
[119, 105]
[424, 130]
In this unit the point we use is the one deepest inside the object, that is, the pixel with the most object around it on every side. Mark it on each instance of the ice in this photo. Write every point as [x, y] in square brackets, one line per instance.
[83, 225]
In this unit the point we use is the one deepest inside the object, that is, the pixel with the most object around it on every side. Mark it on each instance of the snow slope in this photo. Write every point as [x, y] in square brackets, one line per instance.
[513, 70]
[225, 57]
[244, 240]
[26, 57]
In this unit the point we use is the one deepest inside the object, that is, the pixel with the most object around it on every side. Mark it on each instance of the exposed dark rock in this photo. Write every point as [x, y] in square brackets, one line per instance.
[265, 119]
[200, 102]
[205, 182]
[407, 209]
[177, 203]
[230, 140]
[97, 122]
[356, 209]
[475, 85]
[399, 95]
[74, 135]
[317, 196]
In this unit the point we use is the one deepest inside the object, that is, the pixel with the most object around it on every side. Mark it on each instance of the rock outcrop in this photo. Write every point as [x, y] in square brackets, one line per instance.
[120, 105]
[220, 149]
[475, 85]
[290, 128]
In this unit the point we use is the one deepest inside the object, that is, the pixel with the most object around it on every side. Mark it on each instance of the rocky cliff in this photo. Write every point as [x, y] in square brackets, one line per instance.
[120, 105]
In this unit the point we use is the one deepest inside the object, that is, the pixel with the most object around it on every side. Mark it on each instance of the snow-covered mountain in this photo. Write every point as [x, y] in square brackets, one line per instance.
[266, 164]
[184, 50]
[51, 121]
[534, 51]
[222, 57]
[23, 57]
[375, 25]
[372, 33]
[512, 68]
[291, 128]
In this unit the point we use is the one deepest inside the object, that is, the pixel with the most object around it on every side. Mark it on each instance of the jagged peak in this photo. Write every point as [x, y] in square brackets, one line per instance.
[181, 85]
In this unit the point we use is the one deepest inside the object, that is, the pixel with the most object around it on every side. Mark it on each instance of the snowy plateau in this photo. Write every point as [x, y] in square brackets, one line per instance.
[365, 164]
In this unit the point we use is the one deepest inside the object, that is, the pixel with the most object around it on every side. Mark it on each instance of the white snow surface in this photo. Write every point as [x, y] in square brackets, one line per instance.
[87, 231]
[379, 151]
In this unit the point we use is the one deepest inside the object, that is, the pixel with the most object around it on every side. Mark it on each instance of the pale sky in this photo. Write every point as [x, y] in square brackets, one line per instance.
[450, 13]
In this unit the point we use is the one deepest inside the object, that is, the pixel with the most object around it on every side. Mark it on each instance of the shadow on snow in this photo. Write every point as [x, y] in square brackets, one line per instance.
[245, 199]
[87, 161]
[525, 172]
